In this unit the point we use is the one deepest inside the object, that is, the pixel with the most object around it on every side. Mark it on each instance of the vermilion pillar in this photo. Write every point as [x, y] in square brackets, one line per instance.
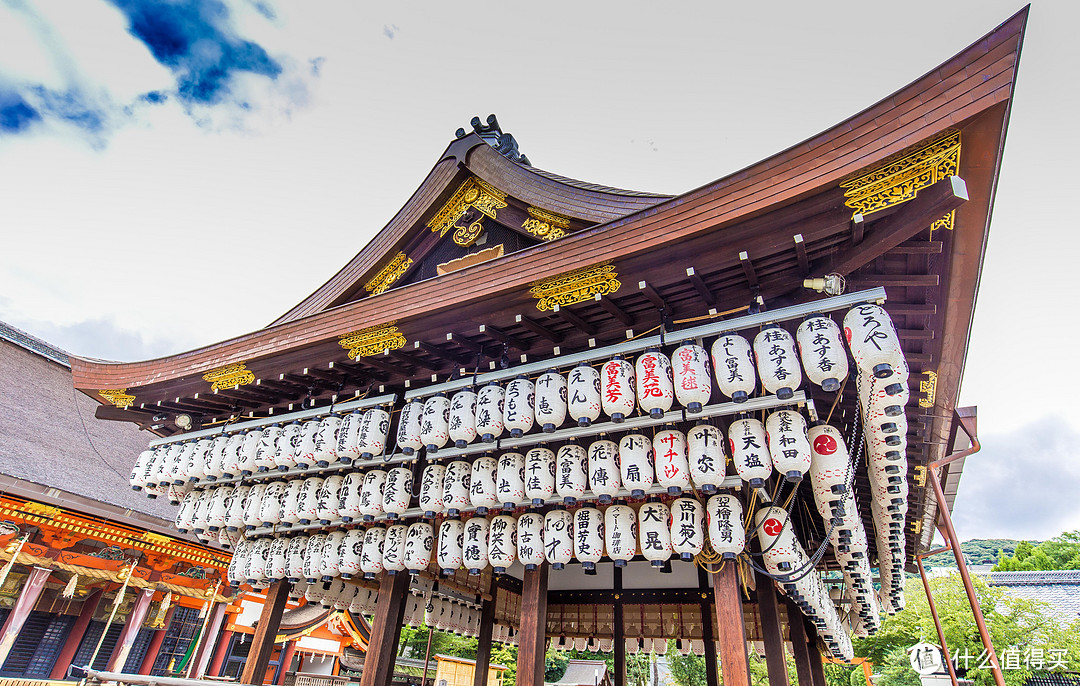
[220, 653]
[75, 636]
[156, 640]
[287, 652]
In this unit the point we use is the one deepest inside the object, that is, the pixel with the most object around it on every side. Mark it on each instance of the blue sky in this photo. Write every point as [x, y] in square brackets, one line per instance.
[176, 173]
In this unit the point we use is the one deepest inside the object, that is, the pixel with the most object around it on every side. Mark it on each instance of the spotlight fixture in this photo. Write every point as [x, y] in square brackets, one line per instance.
[183, 422]
[830, 284]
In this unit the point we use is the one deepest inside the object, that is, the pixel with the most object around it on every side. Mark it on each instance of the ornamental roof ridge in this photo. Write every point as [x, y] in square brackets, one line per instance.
[1069, 577]
[34, 344]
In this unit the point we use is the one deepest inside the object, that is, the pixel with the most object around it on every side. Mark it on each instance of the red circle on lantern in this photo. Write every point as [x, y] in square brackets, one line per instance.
[825, 445]
[773, 527]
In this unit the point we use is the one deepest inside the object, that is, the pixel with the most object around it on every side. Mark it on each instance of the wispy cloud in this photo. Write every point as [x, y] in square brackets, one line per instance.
[390, 30]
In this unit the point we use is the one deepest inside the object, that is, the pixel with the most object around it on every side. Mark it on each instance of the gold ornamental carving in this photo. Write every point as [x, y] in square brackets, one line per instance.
[576, 286]
[900, 178]
[546, 225]
[118, 397]
[229, 376]
[929, 389]
[372, 340]
[472, 194]
[389, 274]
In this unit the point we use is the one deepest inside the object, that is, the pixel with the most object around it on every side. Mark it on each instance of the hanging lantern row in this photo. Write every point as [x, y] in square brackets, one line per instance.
[891, 544]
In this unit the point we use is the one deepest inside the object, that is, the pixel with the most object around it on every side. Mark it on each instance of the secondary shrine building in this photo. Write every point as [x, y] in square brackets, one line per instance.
[548, 412]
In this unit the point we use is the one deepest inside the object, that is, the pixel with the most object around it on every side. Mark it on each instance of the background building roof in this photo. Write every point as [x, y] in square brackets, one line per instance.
[1060, 589]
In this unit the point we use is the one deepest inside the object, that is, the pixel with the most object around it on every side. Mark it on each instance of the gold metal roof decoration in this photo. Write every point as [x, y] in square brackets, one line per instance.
[229, 376]
[546, 225]
[118, 397]
[372, 340]
[899, 178]
[576, 286]
[929, 389]
[389, 274]
[472, 194]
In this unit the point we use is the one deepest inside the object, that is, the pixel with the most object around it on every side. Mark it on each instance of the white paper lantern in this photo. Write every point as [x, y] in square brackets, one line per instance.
[230, 458]
[510, 480]
[419, 543]
[431, 490]
[351, 553]
[256, 567]
[201, 510]
[305, 451]
[176, 494]
[349, 497]
[348, 437]
[873, 341]
[374, 427]
[654, 532]
[571, 465]
[326, 441]
[782, 551]
[475, 550]
[215, 467]
[636, 464]
[409, 424]
[750, 451]
[288, 442]
[687, 527]
[290, 502]
[219, 508]
[518, 406]
[690, 369]
[655, 391]
[253, 510]
[248, 452]
[302, 500]
[828, 468]
[197, 466]
[777, 361]
[371, 497]
[329, 497]
[589, 540]
[669, 455]
[463, 417]
[456, 486]
[270, 512]
[138, 470]
[397, 492]
[435, 426]
[313, 558]
[489, 412]
[331, 556]
[502, 542]
[788, 444]
[617, 383]
[604, 478]
[706, 458]
[295, 555]
[236, 573]
[530, 540]
[371, 562]
[733, 366]
[620, 533]
[176, 470]
[822, 352]
[394, 548]
[539, 475]
[583, 394]
[482, 484]
[551, 401]
[724, 514]
[234, 518]
[451, 543]
[882, 398]
[558, 537]
[314, 594]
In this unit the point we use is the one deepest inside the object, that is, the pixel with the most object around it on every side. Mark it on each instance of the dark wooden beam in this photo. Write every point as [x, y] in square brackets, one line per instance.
[858, 228]
[414, 360]
[748, 270]
[539, 329]
[800, 648]
[629, 597]
[498, 334]
[932, 203]
[699, 285]
[898, 308]
[376, 363]
[800, 254]
[771, 633]
[917, 248]
[575, 321]
[817, 670]
[729, 618]
[614, 310]
[262, 643]
[120, 414]
[236, 399]
[441, 353]
[464, 342]
[858, 281]
[653, 295]
[385, 630]
[483, 645]
[916, 334]
[532, 634]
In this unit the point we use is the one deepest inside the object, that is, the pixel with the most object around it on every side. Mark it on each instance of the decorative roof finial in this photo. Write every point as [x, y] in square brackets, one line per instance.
[493, 135]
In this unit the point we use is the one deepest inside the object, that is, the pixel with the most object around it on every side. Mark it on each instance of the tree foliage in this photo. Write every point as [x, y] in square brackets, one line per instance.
[686, 670]
[977, 551]
[1062, 552]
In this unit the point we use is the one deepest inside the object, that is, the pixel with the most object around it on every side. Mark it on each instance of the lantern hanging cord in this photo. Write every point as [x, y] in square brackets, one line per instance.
[836, 400]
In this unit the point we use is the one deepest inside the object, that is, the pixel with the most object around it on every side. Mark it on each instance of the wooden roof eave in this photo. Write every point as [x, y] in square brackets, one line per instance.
[966, 86]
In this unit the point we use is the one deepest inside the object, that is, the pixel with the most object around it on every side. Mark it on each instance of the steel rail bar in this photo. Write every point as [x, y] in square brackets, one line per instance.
[937, 620]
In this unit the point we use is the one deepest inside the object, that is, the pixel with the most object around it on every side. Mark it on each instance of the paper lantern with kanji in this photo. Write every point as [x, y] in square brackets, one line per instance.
[200, 508]
[750, 451]
[264, 451]
[394, 548]
[822, 351]
[475, 550]
[558, 537]
[178, 471]
[583, 394]
[456, 486]
[253, 509]
[655, 391]
[518, 406]
[256, 567]
[326, 440]
[828, 467]
[777, 362]
[329, 495]
[219, 508]
[306, 503]
[215, 468]
[636, 463]
[551, 401]
[349, 497]
[706, 458]
[724, 515]
[397, 492]
[463, 417]
[270, 511]
[236, 572]
[435, 424]
[371, 558]
[230, 458]
[603, 467]
[530, 540]
[539, 475]
[285, 449]
[409, 424]
[374, 427]
[313, 557]
[690, 370]
[733, 366]
[873, 341]
[419, 543]
[687, 527]
[653, 532]
[489, 412]
[510, 480]
[234, 518]
[305, 452]
[502, 542]
[617, 383]
[589, 536]
[776, 536]
[371, 498]
[483, 493]
[295, 558]
[176, 493]
[289, 512]
[669, 456]
[620, 533]
[248, 452]
[197, 466]
[788, 444]
[571, 465]
[431, 490]
[331, 554]
[352, 552]
[451, 542]
[347, 448]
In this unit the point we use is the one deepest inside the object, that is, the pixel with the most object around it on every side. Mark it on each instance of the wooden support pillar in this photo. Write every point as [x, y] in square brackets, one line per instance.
[483, 647]
[262, 643]
[800, 645]
[385, 630]
[220, 653]
[817, 670]
[75, 636]
[771, 634]
[712, 676]
[619, 630]
[730, 622]
[154, 648]
[532, 637]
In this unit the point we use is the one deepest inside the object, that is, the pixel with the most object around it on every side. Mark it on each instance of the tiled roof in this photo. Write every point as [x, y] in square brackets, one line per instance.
[1059, 589]
[33, 344]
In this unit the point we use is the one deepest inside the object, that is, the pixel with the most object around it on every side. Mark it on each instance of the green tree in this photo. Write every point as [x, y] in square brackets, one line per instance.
[686, 670]
[506, 655]
[897, 671]
[638, 668]
[1061, 552]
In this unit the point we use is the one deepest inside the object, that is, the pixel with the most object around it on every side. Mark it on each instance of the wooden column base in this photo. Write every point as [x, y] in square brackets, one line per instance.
[385, 630]
[532, 638]
[729, 618]
[262, 643]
